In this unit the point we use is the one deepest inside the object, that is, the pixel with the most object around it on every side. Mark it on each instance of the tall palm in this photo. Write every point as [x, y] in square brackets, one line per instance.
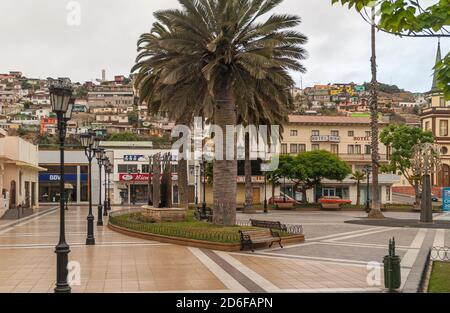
[214, 58]
[375, 211]
[358, 176]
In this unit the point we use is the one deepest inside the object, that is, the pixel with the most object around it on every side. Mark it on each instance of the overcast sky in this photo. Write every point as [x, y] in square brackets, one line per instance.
[36, 38]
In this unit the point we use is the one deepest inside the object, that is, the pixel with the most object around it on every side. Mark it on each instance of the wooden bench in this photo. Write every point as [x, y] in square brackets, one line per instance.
[269, 224]
[251, 237]
[205, 215]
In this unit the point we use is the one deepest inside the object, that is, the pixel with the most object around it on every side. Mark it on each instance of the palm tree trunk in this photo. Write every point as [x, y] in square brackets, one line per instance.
[248, 175]
[183, 183]
[358, 193]
[376, 206]
[225, 171]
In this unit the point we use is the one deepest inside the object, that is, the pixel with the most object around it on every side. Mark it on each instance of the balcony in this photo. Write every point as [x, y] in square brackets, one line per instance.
[362, 157]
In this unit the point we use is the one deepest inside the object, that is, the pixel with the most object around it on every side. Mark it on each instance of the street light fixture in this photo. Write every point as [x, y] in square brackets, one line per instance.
[88, 143]
[109, 171]
[60, 95]
[105, 202]
[99, 155]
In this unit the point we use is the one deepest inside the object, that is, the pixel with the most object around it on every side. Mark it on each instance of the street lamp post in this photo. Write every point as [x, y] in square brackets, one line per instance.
[197, 169]
[99, 155]
[60, 96]
[204, 185]
[90, 145]
[265, 170]
[367, 171]
[109, 184]
[105, 202]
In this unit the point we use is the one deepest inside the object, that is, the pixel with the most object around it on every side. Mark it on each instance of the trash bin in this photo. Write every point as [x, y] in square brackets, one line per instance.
[392, 269]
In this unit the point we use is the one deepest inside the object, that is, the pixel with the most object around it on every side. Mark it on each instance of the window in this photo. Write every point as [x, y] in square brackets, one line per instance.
[315, 147]
[351, 133]
[444, 150]
[388, 194]
[443, 128]
[284, 148]
[301, 148]
[294, 133]
[145, 168]
[351, 149]
[315, 133]
[357, 149]
[127, 168]
[294, 149]
[427, 126]
[368, 134]
[335, 133]
[368, 149]
[329, 192]
[335, 149]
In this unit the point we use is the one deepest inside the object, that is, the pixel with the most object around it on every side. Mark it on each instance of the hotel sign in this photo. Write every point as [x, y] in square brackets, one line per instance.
[362, 138]
[325, 138]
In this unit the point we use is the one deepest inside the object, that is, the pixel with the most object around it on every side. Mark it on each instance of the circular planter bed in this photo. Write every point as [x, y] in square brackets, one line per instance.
[189, 233]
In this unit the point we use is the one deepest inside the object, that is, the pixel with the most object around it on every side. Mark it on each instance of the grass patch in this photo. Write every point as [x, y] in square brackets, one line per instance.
[440, 278]
[190, 229]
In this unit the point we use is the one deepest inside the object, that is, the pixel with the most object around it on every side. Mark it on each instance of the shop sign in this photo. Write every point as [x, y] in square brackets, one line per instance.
[134, 177]
[57, 177]
[362, 138]
[325, 138]
[446, 199]
[133, 158]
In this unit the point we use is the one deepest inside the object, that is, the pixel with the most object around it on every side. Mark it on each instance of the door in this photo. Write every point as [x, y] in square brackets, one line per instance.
[445, 175]
[256, 195]
[33, 194]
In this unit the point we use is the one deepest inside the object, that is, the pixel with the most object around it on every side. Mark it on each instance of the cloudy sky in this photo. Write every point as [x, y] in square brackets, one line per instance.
[36, 38]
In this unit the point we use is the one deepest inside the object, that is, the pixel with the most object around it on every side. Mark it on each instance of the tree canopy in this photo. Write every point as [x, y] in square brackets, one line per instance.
[402, 139]
[308, 169]
[126, 136]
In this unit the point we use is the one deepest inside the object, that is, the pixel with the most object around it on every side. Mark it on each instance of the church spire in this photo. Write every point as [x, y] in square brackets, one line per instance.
[438, 59]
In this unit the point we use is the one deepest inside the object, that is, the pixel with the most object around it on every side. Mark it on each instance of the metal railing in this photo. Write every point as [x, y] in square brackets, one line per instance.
[440, 254]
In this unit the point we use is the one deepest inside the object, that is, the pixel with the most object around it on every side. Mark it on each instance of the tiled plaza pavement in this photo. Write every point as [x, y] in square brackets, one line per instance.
[333, 259]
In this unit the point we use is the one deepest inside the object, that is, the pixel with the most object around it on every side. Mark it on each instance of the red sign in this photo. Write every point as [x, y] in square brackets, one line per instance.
[134, 177]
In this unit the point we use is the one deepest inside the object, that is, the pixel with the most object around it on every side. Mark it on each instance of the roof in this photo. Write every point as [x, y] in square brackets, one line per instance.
[334, 120]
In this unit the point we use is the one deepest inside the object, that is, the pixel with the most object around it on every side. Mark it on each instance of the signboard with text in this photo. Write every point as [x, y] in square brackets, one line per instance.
[446, 199]
[133, 158]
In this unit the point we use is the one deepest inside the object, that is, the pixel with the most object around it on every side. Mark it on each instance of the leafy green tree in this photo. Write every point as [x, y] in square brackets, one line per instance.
[27, 105]
[409, 18]
[308, 169]
[133, 118]
[125, 136]
[401, 139]
[220, 59]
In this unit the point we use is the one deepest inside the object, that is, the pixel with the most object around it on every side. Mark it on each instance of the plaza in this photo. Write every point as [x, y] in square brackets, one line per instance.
[334, 257]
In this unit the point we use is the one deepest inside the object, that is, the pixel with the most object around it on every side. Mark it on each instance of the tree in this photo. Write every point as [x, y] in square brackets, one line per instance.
[358, 176]
[125, 136]
[308, 169]
[27, 105]
[408, 18]
[133, 118]
[218, 59]
[401, 139]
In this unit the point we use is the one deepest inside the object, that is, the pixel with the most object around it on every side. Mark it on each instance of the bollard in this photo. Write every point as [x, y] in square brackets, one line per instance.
[392, 272]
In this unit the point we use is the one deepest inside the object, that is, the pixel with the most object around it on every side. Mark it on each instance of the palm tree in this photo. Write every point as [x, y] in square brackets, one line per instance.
[213, 58]
[358, 176]
[375, 211]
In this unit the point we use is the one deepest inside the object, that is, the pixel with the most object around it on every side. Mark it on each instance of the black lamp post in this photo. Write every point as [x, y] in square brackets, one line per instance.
[204, 185]
[367, 171]
[90, 145]
[105, 202]
[109, 184]
[60, 95]
[99, 155]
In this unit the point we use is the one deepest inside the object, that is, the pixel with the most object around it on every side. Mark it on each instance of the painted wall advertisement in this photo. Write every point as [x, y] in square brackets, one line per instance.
[446, 199]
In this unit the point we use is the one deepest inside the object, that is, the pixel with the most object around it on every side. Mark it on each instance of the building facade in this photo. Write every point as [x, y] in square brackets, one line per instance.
[347, 137]
[19, 171]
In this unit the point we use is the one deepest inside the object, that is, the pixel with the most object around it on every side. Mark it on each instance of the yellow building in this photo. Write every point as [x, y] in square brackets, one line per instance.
[349, 138]
[436, 118]
[19, 171]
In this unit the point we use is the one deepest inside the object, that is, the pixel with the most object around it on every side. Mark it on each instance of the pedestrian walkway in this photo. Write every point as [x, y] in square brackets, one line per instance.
[334, 258]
